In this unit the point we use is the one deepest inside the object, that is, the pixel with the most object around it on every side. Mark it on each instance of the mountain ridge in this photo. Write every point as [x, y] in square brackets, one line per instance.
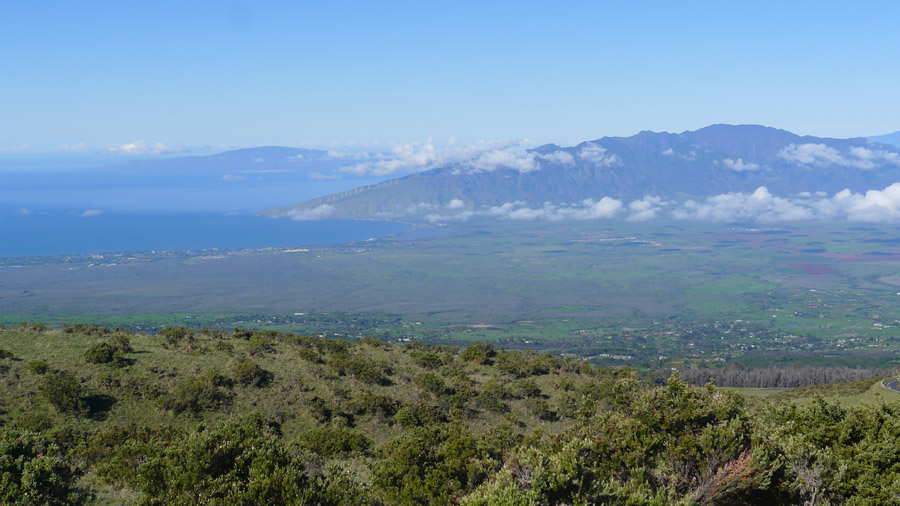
[701, 163]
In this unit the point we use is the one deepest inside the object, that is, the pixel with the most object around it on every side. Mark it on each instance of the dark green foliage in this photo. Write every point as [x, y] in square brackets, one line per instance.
[492, 396]
[240, 333]
[242, 462]
[479, 353]
[539, 408]
[368, 402]
[87, 330]
[259, 344]
[100, 353]
[4, 354]
[174, 335]
[334, 441]
[428, 360]
[430, 465]
[360, 368]
[526, 429]
[418, 415]
[39, 366]
[247, 372]
[224, 346]
[195, 395]
[528, 388]
[34, 472]
[431, 382]
[109, 352]
[63, 390]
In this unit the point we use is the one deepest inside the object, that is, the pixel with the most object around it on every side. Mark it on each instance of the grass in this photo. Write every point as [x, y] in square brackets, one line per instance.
[849, 394]
[580, 277]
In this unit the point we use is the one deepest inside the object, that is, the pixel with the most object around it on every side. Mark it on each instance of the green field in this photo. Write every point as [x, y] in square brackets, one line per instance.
[650, 296]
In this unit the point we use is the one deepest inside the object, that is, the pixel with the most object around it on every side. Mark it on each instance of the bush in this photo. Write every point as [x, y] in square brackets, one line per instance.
[88, 330]
[240, 462]
[173, 335]
[360, 368]
[258, 345]
[431, 465]
[196, 395]
[431, 382]
[39, 366]
[479, 353]
[428, 360]
[334, 442]
[247, 372]
[33, 471]
[63, 390]
[528, 388]
[100, 353]
[6, 354]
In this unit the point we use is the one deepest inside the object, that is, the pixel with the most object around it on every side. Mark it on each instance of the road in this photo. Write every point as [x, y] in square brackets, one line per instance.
[891, 384]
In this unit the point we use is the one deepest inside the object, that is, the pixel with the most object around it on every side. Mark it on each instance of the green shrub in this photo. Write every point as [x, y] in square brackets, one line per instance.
[39, 366]
[100, 353]
[174, 335]
[240, 333]
[63, 390]
[259, 345]
[528, 388]
[334, 442]
[491, 397]
[418, 415]
[88, 330]
[365, 370]
[195, 395]
[431, 465]
[247, 372]
[121, 343]
[431, 382]
[540, 408]
[428, 360]
[33, 471]
[479, 353]
[241, 462]
[6, 354]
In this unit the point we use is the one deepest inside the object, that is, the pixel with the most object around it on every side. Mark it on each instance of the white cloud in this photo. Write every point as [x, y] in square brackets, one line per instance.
[596, 154]
[874, 206]
[456, 204]
[822, 155]
[142, 148]
[559, 157]
[81, 146]
[645, 209]
[90, 213]
[24, 212]
[588, 209]
[228, 178]
[521, 161]
[739, 165]
[318, 176]
[347, 155]
[669, 152]
[478, 157]
[319, 212]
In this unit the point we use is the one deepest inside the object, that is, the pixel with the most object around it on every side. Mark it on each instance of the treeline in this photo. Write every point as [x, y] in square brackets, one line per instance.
[778, 377]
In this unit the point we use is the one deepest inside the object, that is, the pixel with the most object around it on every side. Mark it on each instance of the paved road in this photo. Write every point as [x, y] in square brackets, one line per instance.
[891, 384]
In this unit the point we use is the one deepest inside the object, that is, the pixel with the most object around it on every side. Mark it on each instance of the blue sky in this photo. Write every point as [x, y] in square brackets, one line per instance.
[86, 76]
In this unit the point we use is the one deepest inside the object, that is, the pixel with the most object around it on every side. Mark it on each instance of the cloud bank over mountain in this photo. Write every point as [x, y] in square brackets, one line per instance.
[718, 173]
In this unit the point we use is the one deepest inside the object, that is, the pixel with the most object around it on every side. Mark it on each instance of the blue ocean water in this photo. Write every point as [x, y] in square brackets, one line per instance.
[65, 233]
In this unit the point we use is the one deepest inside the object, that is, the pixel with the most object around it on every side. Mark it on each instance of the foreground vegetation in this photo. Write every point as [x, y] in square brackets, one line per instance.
[94, 415]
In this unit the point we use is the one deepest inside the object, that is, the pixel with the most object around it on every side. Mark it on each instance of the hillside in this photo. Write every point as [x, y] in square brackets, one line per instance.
[709, 161]
[98, 416]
